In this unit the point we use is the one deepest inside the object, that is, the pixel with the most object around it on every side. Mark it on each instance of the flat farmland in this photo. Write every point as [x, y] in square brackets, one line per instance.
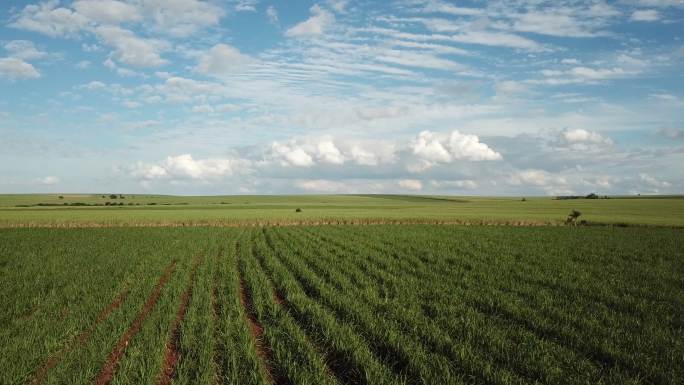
[385, 304]
[89, 210]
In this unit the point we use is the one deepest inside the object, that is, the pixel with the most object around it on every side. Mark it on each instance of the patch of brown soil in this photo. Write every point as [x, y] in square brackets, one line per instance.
[110, 365]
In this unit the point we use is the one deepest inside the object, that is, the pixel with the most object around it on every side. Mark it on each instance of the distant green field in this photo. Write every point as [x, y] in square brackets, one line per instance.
[140, 210]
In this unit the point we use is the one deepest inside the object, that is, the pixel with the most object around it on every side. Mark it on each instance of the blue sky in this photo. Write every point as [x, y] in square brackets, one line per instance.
[513, 97]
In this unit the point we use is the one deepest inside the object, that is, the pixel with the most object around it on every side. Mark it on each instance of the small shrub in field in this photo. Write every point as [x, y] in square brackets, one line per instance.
[572, 217]
[298, 210]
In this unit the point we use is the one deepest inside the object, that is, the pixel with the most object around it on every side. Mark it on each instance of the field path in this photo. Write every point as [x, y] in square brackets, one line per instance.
[109, 367]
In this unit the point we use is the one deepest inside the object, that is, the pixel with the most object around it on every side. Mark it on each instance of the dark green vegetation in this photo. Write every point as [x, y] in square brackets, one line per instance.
[163, 210]
[342, 305]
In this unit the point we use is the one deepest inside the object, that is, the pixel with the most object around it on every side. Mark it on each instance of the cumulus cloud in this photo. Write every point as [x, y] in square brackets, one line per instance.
[291, 155]
[186, 167]
[432, 148]
[315, 151]
[584, 137]
[182, 18]
[24, 50]
[536, 177]
[315, 25]
[15, 69]
[221, 60]
[107, 11]
[50, 19]
[131, 49]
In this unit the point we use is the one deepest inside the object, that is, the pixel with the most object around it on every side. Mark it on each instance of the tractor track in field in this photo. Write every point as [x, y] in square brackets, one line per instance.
[80, 339]
[109, 367]
[172, 352]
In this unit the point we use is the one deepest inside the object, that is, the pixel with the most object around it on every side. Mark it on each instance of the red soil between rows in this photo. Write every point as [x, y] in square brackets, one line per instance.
[257, 332]
[81, 339]
[172, 350]
[109, 368]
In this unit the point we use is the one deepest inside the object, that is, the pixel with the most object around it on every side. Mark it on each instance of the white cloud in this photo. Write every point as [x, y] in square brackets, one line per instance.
[182, 18]
[93, 86]
[203, 108]
[645, 15]
[221, 60]
[418, 59]
[246, 5]
[410, 184]
[653, 181]
[131, 104]
[48, 180]
[272, 14]
[291, 155]
[581, 136]
[329, 153]
[431, 148]
[437, 6]
[562, 21]
[146, 171]
[49, 19]
[322, 186]
[186, 167]
[339, 6]
[24, 50]
[467, 184]
[133, 50]
[15, 69]
[315, 25]
[107, 11]
[498, 39]
[588, 75]
[534, 177]
[309, 152]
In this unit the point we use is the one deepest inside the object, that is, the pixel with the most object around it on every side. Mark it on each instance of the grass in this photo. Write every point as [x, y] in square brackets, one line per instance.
[240, 210]
[413, 304]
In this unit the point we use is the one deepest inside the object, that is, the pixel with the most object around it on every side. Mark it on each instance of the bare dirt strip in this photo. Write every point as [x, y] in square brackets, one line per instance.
[107, 372]
[172, 350]
[42, 373]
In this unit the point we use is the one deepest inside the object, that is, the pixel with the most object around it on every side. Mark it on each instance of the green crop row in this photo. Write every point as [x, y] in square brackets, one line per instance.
[413, 304]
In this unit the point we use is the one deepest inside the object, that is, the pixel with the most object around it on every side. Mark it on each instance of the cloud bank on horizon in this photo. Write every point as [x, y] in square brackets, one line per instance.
[334, 96]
